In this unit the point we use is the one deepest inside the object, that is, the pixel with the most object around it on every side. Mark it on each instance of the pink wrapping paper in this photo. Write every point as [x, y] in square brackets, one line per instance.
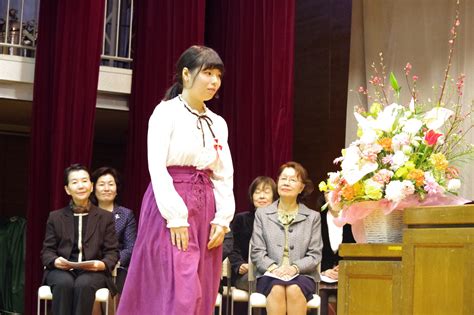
[355, 213]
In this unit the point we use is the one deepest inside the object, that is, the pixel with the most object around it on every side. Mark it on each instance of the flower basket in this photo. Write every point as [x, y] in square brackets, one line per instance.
[406, 154]
[383, 228]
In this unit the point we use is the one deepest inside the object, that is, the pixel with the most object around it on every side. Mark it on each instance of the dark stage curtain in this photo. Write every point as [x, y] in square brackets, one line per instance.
[163, 30]
[64, 99]
[322, 47]
[255, 39]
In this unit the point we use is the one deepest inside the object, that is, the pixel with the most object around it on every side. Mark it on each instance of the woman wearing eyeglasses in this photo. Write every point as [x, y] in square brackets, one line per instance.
[286, 244]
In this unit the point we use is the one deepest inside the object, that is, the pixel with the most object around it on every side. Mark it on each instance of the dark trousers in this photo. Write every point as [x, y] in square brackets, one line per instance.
[74, 291]
[120, 279]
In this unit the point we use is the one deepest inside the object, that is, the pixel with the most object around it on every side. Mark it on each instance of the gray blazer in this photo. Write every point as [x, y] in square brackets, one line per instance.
[304, 240]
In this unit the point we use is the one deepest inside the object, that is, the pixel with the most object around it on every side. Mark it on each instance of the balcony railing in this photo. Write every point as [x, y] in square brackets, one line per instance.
[18, 27]
[19, 30]
[117, 40]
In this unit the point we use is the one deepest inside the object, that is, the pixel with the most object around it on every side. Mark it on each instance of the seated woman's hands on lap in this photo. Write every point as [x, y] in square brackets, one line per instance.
[243, 269]
[285, 272]
[332, 273]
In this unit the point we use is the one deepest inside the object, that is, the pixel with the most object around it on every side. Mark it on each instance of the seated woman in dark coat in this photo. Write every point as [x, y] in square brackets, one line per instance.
[106, 189]
[262, 192]
[79, 232]
[286, 244]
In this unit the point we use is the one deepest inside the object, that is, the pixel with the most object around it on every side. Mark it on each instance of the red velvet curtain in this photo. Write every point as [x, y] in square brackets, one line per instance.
[256, 42]
[64, 99]
[163, 30]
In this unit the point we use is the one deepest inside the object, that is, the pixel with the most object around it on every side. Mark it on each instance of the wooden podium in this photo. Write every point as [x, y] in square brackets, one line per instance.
[432, 272]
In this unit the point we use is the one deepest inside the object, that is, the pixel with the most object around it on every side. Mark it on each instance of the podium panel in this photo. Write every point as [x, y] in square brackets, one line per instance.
[369, 279]
[438, 260]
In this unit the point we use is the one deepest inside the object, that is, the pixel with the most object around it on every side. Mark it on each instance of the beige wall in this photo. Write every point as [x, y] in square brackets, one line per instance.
[415, 31]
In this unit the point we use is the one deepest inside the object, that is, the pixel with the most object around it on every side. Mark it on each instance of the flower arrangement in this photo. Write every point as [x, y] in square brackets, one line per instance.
[405, 155]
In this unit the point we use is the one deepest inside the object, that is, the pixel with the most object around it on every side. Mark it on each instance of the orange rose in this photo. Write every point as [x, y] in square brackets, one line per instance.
[386, 143]
[348, 192]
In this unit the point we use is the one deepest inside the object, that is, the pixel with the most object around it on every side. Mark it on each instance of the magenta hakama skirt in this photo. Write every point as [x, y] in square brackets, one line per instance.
[161, 279]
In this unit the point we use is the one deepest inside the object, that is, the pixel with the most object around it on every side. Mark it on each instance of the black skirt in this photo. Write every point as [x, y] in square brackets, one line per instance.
[306, 284]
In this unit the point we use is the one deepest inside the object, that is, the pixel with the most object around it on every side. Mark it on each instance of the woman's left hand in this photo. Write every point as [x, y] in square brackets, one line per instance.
[97, 266]
[216, 237]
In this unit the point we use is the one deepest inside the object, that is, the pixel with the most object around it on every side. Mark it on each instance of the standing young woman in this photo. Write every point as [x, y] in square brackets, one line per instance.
[187, 208]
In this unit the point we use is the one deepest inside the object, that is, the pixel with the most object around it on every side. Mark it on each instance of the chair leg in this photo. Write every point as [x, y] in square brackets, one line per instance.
[38, 312]
[107, 307]
[227, 300]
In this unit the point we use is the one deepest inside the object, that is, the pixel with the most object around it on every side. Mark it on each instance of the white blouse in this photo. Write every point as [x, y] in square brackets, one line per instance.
[175, 140]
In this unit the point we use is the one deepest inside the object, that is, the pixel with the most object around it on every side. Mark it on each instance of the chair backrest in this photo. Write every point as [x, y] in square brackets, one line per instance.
[114, 271]
[225, 268]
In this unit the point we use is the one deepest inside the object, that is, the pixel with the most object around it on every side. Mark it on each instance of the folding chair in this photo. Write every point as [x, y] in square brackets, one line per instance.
[225, 273]
[219, 303]
[226, 290]
[258, 300]
[44, 293]
[238, 295]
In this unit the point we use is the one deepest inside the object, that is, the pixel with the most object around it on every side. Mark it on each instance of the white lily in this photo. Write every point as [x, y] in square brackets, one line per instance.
[355, 167]
[436, 117]
[386, 119]
[369, 135]
[412, 126]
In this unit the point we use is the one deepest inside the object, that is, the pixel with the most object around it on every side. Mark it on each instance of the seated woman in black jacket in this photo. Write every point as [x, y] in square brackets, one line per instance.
[80, 248]
[262, 192]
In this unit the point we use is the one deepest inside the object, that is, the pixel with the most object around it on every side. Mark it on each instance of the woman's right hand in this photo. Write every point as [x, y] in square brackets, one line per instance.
[180, 237]
[243, 269]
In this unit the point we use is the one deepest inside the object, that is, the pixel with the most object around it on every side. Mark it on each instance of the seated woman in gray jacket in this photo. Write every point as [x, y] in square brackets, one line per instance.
[286, 244]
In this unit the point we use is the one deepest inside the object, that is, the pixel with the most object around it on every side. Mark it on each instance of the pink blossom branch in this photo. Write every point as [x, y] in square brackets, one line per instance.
[451, 51]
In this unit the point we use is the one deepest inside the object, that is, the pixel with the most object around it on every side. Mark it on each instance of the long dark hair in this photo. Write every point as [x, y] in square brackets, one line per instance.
[195, 57]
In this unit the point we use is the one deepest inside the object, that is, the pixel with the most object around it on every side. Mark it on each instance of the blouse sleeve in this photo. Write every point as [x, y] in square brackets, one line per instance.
[223, 180]
[169, 202]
